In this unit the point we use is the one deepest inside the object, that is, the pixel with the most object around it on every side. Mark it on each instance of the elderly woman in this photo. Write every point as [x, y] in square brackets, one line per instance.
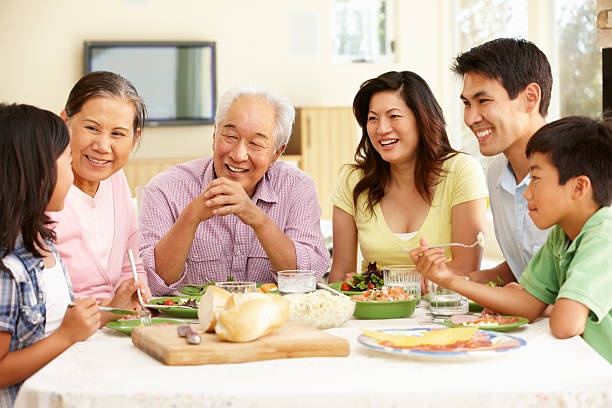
[240, 213]
[408, 182]
[98, 225]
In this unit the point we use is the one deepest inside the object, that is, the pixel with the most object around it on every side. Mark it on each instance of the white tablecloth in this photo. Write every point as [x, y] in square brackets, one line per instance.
[109, 371]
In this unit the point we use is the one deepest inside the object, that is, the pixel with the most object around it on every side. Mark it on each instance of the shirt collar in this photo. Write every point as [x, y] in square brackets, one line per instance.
[600, 215]
[507, 180]
[26, 256]
[264, 190]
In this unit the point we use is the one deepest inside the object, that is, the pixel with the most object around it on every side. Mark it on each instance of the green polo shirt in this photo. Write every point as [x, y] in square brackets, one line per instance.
[582, 272]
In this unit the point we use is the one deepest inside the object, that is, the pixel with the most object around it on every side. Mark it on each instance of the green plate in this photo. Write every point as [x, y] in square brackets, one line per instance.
[500, 328]
[474, 307]
[337, 285]
[125, 326]
[176, 311]
[385, 310]
[198, 290]
[194, 290]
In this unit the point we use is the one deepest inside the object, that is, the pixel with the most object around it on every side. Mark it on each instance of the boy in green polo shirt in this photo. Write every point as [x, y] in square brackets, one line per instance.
[570, 161]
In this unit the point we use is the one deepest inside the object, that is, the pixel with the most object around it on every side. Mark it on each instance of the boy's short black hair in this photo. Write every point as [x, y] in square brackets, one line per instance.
[514, 62]
[578, 146]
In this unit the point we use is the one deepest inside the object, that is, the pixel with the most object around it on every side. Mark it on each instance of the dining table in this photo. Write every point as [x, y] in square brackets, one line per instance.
[107, 370]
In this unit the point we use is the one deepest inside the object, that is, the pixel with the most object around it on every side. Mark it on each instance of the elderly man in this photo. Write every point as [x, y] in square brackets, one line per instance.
[239, 213]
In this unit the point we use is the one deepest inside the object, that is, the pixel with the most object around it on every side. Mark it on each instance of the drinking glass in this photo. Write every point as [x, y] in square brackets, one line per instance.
[444, 303]
[237, 286]
[296, 281]
[404, 276]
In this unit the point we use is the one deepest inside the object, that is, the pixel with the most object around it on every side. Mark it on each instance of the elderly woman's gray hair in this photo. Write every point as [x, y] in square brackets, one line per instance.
[285, 113]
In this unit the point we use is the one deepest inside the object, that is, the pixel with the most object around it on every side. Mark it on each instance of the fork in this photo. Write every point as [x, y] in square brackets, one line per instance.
[479, 241]
[145, 317]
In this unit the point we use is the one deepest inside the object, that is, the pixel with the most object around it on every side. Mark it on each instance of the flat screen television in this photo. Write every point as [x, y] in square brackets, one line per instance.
[177, 80]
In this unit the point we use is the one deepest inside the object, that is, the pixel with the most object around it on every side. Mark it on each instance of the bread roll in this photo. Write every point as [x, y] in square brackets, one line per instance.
[248, 316]
[211, 303]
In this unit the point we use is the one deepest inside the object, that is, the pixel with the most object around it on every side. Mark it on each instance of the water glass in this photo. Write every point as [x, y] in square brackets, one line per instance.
[296, 281]
[444, 303]
[237, 286]
[404, 276]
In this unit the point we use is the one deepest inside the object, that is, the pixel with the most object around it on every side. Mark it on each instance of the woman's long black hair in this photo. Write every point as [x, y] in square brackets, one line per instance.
[31, 140]
[434, 147]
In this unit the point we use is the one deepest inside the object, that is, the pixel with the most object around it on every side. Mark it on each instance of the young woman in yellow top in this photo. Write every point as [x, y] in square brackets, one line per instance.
[408, 182]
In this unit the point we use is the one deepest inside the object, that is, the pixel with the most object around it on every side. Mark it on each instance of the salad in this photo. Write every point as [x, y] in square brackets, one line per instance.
[372, 278]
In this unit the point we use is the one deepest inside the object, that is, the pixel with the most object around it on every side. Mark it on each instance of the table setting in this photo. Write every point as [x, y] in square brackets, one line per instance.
[321, 358]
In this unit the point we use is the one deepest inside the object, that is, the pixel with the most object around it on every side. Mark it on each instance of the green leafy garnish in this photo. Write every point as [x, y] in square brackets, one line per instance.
[230, 279]
[371, 275]
[499, 282]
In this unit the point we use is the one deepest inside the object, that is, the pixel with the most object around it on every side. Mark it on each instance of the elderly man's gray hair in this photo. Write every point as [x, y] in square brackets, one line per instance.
[285, 113]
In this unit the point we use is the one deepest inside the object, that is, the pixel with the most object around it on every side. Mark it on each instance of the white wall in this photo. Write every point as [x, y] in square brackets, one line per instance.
[42, 51]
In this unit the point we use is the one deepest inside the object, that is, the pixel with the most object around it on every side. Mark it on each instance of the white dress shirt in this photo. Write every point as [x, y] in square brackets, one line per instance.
[517, 235]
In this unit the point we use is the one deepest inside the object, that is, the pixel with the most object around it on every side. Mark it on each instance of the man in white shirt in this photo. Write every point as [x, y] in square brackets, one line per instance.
[507, 84]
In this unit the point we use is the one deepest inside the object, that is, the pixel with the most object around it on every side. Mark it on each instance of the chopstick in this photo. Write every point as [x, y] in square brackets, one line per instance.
[144, 320]
[135, 275]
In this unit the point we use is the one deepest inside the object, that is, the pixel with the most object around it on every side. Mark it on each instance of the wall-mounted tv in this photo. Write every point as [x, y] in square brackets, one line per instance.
[177, 80]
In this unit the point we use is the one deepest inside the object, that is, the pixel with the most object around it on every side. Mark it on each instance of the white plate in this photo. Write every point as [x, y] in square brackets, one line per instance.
[502, 343]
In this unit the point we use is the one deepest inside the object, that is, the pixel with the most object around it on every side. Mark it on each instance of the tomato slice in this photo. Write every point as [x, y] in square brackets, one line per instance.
[169, 302]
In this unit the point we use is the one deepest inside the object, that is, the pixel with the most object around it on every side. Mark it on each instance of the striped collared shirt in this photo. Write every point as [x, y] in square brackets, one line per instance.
[224, 246]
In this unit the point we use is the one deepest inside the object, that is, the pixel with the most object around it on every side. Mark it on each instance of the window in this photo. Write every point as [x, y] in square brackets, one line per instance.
[567, 34]
[478, 22]
[362, 30]
[579, 69]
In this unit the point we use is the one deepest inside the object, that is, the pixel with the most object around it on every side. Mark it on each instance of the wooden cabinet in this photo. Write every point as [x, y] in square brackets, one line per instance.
[323, 139]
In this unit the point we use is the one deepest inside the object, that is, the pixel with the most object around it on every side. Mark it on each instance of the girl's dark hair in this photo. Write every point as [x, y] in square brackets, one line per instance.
[433, 148]
[31, 140]
[107, 84]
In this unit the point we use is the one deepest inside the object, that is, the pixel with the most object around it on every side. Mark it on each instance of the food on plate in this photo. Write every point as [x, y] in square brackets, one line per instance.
[483, 320]
[190, 302]
[455, 339]
[248, 316]
[211, 303]
[346, 287]
[370, 279]
[384, 295]
[499, 282]
[320, 309]
[267, 287]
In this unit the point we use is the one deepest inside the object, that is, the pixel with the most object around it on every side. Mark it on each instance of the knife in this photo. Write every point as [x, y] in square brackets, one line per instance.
[116, 311]
[156, 306]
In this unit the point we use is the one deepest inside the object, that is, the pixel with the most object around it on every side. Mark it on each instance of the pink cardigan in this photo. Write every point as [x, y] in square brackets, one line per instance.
[88, 276]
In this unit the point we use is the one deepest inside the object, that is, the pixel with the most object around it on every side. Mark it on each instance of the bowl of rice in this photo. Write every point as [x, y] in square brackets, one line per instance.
[320, 309]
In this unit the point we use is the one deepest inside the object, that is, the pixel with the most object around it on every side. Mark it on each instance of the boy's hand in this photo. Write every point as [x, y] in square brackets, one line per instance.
[81, 320]
[429, 263]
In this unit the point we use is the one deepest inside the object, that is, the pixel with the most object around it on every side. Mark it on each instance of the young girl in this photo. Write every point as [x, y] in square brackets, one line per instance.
[36, 324]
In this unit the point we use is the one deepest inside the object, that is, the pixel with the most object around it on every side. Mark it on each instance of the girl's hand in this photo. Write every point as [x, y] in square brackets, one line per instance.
[429, 263]
[81, 320]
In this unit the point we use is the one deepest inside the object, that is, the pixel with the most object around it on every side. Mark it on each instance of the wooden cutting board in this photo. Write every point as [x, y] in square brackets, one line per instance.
[291, 340]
